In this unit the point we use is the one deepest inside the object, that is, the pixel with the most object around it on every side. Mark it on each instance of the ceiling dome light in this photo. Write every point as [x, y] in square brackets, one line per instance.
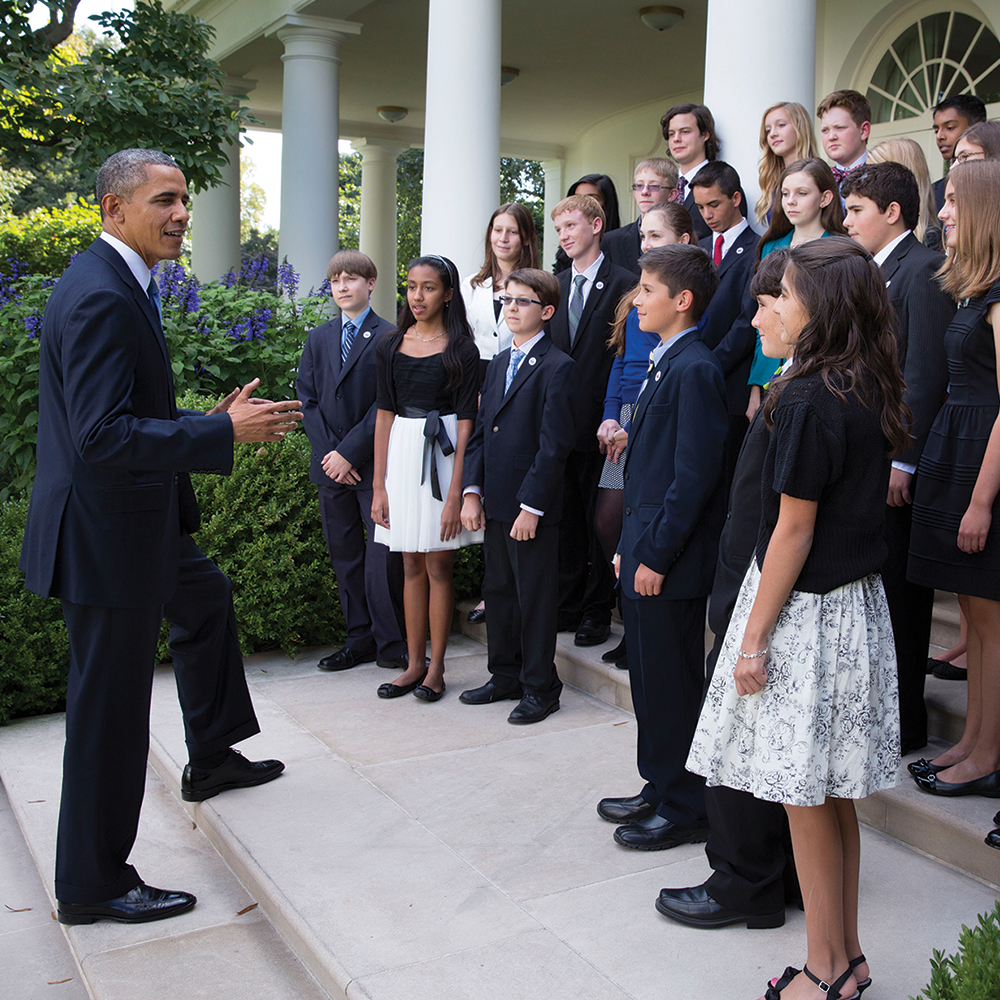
[390, 113]
[508, 75]
[659, 17]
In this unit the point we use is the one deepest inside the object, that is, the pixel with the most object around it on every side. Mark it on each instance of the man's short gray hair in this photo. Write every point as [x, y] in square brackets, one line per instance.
[123, 172]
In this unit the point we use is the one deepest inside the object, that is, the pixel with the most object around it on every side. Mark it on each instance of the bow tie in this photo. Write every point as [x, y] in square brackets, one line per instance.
[839, 173]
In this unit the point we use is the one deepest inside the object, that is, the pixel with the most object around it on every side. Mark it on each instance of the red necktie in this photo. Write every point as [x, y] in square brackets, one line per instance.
[717, 254]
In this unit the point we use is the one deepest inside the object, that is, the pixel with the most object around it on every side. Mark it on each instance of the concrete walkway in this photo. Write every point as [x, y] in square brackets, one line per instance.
[416, 851]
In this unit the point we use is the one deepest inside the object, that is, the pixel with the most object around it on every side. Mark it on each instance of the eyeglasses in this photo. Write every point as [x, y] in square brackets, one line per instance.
[651, 188]
[519, 301]
[970, 155]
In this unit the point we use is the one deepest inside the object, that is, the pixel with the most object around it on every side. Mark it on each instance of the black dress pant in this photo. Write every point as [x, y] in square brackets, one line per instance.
[911, 608]
[586, 579]
[369, 576]
[521, 592]
[749, 845]
[112, 652]
[666, 650]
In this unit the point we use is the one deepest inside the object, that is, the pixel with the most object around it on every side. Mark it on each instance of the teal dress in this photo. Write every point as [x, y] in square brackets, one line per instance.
[764, 368]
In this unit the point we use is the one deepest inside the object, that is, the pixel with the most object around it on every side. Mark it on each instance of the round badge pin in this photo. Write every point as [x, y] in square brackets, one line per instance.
[656, 378]
[366, 334]
[600, 284]
[739, 249]
[532, 361]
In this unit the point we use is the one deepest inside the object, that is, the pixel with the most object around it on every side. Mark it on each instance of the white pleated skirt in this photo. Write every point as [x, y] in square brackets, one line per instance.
[826, 723]
[414, 513]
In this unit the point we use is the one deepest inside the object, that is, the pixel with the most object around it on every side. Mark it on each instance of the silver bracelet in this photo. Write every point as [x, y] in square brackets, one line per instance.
[752, 656]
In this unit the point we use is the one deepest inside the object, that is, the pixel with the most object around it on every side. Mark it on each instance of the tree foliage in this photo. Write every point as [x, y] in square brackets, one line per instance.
[147, 83]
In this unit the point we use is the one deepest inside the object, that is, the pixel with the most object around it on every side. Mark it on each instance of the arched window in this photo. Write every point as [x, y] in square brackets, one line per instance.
[939, 56]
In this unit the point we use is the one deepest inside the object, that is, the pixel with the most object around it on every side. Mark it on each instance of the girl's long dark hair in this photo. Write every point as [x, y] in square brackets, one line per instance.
[850, 336]
[455, 319]
[606, 186]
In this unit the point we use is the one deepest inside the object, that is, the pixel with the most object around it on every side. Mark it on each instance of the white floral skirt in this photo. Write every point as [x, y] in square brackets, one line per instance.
[826, 723]
[414, 513]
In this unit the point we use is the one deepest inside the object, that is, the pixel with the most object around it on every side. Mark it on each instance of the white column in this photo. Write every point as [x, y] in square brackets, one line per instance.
[738, 88]
[378, 217]
[215, 213]
[555, 187]
[310, 129]
[462, 129]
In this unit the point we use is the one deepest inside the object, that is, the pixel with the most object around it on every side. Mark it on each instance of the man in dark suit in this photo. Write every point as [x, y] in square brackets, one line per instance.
[108, 533]
[748, 843]
[732, 245]
[673, 513]
[514, 465]
[653, 183]
[883, 206]
[689, 130]
[591, 290]
[952, 117]
[336, 383]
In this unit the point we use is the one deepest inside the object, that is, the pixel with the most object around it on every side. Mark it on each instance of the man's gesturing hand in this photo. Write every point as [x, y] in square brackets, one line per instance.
[256, 421]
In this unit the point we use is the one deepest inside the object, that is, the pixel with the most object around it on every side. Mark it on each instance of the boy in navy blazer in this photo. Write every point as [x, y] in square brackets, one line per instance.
[674, 505]
[514, 466]
[336, 383]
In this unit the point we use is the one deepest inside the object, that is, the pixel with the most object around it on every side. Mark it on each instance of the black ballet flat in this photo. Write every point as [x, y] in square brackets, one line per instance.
[390, 690]
[424, 693]
[923, 767]
[988, 785]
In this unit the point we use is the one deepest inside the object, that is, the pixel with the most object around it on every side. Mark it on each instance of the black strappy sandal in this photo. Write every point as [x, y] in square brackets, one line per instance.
[864, 983]
[832, 990]
[775, 986]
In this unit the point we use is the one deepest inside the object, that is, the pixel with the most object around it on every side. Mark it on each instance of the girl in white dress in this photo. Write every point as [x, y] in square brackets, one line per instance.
[427, 397]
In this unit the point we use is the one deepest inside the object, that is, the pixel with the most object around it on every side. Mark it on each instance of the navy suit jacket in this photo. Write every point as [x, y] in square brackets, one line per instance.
[517, 452]
[590, 350]
[622, 246]
[923, 313]
[338, 400]
[674, 501]
[104, 523]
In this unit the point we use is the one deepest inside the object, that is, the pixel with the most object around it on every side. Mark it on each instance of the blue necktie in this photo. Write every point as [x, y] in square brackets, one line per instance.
[516, 357]
[346, 340]
[153, 291]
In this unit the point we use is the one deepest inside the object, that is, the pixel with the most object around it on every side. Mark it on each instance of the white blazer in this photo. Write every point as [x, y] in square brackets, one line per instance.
[492, 334]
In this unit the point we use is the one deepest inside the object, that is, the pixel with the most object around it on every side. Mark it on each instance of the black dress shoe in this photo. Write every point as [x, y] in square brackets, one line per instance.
[625, 810]
[476, 616]
[137, 906]
[622, 664]
[390, 690]
[696, 908]
[993, 839]
[344, 658]
[200, 783]
[654, 833]
[592, 632]
[532, 708]
[613, 655]
[489, 693]
[924, 767]
[988, 785]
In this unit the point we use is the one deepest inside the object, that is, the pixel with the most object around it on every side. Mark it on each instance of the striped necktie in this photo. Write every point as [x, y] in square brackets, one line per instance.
[346, 340]
[576, 307]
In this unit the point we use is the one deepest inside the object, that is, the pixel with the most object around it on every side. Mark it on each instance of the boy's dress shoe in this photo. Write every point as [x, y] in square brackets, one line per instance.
[696, 908]
[137, 906]
[200, 783]
[591, 632]
[993, 839]
[654, 833]
[613, 655]
[489, 693]
[344, 658]
[625, 810]
[531, 708]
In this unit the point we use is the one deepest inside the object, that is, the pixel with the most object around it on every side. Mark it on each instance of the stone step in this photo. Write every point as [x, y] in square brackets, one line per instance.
[224, 947]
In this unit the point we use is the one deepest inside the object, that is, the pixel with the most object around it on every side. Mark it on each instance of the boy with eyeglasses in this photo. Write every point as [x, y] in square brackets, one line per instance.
[653, 183]
[513, 487]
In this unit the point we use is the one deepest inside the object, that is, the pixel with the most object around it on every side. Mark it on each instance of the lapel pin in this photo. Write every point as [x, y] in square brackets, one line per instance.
[888, 283]
[739, 249]
[656, 377]
[532, 361]
[600, 285]
[366, 334]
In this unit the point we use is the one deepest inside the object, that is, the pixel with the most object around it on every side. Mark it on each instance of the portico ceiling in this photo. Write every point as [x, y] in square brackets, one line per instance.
[580, 61]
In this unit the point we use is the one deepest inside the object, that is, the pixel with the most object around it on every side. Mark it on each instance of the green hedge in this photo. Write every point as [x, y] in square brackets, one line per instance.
[46, 239]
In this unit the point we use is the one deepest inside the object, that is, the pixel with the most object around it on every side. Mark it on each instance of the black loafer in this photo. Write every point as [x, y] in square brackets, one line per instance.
[530, 709]
[654, 833]
[137, 906]
[344, 658]
[696, 908]
[476, 616]
[993, 837]
[613, 655]
[988, 785]
[390, 690]
[200, 783]
[625, 810]
[489, 693]
[592, 632]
